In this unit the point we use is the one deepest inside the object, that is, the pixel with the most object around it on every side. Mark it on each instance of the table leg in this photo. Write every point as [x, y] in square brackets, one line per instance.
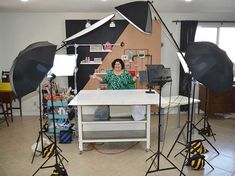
[80, 142]
[148, 127]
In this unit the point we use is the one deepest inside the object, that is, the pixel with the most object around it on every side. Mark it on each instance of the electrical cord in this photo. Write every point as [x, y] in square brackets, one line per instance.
[93, 146]
[167, 118]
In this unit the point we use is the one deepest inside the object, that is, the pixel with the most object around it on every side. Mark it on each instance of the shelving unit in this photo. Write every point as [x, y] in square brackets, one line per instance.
[91, 62]
[60, 114]
[118, 129]
[101, 51]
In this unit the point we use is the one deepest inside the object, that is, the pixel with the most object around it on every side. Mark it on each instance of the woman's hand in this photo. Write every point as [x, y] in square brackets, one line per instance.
[94, 76]
[136, 77]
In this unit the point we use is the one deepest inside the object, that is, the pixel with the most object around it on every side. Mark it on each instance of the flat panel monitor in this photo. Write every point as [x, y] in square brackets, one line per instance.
[159, 76]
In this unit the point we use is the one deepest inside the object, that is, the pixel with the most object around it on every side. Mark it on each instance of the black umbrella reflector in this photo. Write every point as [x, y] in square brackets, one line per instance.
[210, 65]
[137, 13]
[31, 66]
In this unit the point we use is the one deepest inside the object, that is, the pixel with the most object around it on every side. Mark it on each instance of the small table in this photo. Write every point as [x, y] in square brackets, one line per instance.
[113, 98]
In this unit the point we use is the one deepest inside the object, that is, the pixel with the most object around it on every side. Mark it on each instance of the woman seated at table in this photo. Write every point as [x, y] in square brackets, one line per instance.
[118, 77]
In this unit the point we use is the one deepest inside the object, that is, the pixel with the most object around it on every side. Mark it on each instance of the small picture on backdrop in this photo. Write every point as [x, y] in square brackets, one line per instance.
[96, 48]
[129, 54]
[107, 46]
[98, 60]
[124, 57]
[141, 53]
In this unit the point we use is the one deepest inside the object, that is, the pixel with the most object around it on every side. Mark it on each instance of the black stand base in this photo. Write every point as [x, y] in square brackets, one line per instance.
[58, 166]
[40, 136]
[150, 91]
[157, 156]
[188, 163]
[181, 131]
[206, 130]
[187, 156]
[159, 153]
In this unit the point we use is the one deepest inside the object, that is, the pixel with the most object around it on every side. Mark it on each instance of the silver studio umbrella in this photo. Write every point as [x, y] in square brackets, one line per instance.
[31, 66]
[210, 65]
[90, 28]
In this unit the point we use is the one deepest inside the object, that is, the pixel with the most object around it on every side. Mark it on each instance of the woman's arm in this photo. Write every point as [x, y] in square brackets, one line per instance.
[135, 77]
[94, 76]
[131, 79]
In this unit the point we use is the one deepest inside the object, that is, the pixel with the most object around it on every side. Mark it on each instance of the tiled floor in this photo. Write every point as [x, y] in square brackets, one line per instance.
[113, 159]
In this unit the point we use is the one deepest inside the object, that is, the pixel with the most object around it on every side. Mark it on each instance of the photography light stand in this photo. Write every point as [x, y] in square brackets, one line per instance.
[190, 126]
[158, 154]
[189, 123]
[75, 71]
[42, 130]
[160, 78]
[58, 156]
[206, 130]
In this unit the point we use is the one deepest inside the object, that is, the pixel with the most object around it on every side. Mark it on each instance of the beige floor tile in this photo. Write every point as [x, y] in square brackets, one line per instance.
[114, 159]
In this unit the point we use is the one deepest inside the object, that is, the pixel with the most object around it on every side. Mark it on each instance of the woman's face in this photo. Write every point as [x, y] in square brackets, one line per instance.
[117, 66]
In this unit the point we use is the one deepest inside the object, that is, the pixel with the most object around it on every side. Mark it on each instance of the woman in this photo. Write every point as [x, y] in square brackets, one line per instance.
[118, 77]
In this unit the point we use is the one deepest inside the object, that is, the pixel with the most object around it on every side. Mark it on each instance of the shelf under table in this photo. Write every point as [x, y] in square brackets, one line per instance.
[114, 136]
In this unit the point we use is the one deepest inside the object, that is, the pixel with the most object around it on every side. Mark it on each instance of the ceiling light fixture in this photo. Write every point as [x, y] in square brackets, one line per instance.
[187, 0]
[88, 24]
[24, 0]
[112, 24]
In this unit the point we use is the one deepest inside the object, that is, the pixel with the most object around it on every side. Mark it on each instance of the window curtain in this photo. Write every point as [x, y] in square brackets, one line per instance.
[187, 35]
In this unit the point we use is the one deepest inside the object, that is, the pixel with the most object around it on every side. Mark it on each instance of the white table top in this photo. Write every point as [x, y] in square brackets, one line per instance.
[178, 100]
[115, 97]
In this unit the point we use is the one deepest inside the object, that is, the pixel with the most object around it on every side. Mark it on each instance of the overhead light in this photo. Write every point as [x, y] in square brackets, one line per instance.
[187, 0]
[112, 24]
[88, 24]
[24, 0]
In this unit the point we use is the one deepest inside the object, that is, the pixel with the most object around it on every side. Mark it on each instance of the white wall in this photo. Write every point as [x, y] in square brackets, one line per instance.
[18, 30]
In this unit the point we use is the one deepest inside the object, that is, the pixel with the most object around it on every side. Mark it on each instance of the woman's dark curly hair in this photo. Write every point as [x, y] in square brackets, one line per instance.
[120, 61]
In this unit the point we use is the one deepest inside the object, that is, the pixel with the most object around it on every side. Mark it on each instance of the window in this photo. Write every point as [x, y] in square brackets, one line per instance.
[223, 36]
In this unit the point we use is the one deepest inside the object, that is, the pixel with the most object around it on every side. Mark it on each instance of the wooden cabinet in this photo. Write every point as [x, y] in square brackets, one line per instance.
[217, 103]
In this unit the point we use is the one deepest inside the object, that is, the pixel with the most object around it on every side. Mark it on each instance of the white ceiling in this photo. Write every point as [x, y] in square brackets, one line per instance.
[174, 6]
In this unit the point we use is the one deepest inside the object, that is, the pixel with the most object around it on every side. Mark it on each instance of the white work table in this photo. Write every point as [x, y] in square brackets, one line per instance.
[133, 130]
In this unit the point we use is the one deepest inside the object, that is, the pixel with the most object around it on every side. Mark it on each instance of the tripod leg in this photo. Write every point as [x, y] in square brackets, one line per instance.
[35, 150]
[181, 131]
[199, 121]
[180, 152]
[175, 167]
[41, 166]
[151, 156]
[62, 156]
[209, 164]
[62, 162]
[156, 154]
[210, 129]
[185, 158]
